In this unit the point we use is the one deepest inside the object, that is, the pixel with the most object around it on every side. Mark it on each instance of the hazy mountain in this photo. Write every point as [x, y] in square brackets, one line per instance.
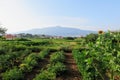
[59, 31]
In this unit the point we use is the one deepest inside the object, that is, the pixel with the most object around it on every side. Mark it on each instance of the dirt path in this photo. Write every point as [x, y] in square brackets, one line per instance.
[41, 64]
[72, 72]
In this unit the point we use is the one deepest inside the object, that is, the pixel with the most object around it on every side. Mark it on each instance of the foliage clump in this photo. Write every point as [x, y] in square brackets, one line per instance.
[101, 60]
[13, 74]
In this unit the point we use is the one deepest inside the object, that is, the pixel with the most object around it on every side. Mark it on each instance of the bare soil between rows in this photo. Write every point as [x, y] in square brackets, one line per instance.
[72, 72]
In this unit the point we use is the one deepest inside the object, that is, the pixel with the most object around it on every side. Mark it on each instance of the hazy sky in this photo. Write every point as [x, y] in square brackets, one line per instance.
[19, 15]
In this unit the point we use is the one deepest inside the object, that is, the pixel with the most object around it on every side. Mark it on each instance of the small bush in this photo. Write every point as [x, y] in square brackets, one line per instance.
[69, 38]
[13, 74]
[66, 49]
[28, 63]
[2, 51]
[45, 75]
[57, 68]
[43, 53]
[4, 64]
[53, 49]
[34, 49]
[57, 57]
[18, 47]
[91, 37]
[32, 43]
[25, 67]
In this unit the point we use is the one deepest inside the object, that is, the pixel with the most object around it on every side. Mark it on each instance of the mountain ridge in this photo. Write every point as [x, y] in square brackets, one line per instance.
[59, 31]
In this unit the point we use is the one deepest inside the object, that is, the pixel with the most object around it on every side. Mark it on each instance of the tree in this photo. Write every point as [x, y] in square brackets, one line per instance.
[2, 30]
[91, 37]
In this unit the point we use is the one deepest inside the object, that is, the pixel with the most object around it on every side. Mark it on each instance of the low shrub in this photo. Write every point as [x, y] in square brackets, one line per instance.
[69, 38]
[2, 51]
[57, 57]
[34, 49]
[4, 64]
[18, 47]
[66, 49]
[57, 68]
[13, 74]
[43, 53]
[28, 63]
[45, 75]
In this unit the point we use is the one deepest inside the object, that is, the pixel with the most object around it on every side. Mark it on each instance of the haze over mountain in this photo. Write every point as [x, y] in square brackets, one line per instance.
[59, 31]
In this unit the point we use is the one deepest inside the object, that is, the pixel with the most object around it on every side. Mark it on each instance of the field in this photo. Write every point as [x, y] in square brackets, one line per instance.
[94, 57]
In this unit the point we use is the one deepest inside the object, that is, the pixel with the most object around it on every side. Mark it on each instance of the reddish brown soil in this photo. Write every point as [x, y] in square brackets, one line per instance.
[72, 72]
[117, 77]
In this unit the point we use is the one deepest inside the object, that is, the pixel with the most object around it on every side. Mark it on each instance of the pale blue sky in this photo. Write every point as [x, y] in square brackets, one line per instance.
[18, 15]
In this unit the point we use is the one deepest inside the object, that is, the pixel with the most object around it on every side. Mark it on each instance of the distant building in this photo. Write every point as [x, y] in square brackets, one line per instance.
[57, 37]
[10, 37]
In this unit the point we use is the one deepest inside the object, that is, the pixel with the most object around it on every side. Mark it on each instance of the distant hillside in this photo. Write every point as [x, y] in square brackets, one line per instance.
[59, 31]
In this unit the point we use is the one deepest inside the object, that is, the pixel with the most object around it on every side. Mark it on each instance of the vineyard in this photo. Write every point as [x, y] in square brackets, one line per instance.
[94, 57]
